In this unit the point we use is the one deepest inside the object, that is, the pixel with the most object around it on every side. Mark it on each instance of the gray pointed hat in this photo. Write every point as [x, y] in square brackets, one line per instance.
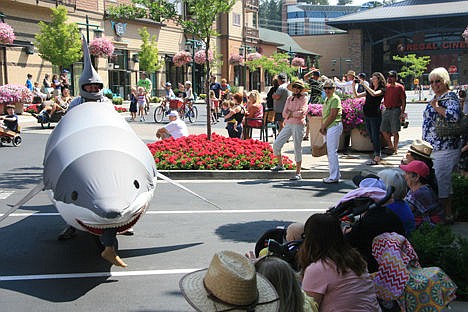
[89, 76]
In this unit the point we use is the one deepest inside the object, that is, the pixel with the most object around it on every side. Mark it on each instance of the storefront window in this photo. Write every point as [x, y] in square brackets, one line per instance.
[119, 74]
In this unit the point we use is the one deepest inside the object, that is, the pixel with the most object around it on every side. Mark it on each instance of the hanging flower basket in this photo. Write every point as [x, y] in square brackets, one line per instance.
[7, 36]
[465, 34]
[253, 56]
[200, 57]
[181, 58]
[236, 59]
[101, 47]
[298, 62]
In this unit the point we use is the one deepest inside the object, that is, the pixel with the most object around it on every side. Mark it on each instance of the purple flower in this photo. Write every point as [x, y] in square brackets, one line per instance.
[101, 47]
[7, 35]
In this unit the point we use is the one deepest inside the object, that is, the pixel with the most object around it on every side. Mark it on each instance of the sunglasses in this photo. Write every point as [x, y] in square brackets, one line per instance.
[328, 88]
[435, 81]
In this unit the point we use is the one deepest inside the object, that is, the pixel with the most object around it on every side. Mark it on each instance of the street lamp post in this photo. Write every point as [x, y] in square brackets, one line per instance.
[291, 55]
[193, 44]
[87, 24]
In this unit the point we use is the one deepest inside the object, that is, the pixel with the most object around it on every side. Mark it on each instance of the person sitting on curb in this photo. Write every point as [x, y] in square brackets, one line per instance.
[176, 128]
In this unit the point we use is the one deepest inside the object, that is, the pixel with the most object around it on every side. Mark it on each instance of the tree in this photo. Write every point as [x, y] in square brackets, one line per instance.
[274, 64]
[344, 2]
[198, 23]
[321, 2]
[59, 42]
[414, 66]
[269, 14]
[148, 56]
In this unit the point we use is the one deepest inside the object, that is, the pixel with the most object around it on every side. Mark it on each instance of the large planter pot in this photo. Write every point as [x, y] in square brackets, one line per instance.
[359, 142]
[2, 108]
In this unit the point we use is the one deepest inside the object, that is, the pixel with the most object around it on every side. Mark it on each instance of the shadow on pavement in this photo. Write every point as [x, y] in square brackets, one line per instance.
[248, 232]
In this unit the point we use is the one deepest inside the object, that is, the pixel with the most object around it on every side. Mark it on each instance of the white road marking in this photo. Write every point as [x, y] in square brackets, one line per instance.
[48, 214]
[5, 194]
[9, 278]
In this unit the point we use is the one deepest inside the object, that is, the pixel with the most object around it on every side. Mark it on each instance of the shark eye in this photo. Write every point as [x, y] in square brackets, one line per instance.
[74, 195]
[137, 185]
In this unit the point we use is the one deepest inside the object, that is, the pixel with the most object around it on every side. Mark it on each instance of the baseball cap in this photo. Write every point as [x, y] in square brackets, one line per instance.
[173, 114]
[392, 73]
[168, 84]
[416, 166]
[316, 73]
[282, 76]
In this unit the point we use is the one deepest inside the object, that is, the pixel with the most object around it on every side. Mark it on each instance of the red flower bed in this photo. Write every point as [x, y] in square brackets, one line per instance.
[222, 153]
[120, 109]
[33, 108]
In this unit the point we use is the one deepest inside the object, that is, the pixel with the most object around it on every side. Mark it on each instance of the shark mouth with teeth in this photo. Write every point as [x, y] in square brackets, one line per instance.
[98, 229]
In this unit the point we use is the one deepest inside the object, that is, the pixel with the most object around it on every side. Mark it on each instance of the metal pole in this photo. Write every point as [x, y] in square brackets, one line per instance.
[194, 87]
[87, 28]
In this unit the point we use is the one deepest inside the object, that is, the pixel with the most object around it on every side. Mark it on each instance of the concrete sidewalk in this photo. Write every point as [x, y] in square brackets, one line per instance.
[313, 167]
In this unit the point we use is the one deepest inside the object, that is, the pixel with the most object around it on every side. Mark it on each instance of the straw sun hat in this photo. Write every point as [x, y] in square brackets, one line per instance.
[230, 283]
[422, 148]
[299, 84]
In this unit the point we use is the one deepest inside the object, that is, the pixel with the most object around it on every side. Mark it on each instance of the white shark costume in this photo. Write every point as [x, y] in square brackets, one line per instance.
[100, 175]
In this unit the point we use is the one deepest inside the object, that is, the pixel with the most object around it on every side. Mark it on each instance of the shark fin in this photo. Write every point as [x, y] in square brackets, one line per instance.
[39, 187]
[163, 177]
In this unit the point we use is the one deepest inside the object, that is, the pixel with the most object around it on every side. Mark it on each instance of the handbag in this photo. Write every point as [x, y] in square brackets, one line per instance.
[319, 150]
[446, 128]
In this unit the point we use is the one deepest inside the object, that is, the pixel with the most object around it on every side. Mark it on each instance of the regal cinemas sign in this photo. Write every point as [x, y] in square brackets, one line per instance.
[444, 45]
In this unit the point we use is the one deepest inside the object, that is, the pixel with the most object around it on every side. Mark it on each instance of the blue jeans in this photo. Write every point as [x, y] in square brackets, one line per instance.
[232, 132]
[373, 129]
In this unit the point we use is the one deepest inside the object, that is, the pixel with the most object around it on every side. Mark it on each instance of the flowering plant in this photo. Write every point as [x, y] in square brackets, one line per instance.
[33, 108]
[253, 56]
[221, 153]
[11, 93]
[181, 58]
[120, 109]
[352, 113]
[6, 34]
[236, 59]
[298, 62]
[464, 35]
[101, 47]
[200, 57]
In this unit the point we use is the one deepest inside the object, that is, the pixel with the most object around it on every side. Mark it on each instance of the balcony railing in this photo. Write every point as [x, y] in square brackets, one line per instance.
[251, 5]
[68, 3]
[250, 33]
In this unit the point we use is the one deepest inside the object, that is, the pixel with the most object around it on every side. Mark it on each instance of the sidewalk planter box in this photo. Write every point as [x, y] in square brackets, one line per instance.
[359, 142]
[2, 108]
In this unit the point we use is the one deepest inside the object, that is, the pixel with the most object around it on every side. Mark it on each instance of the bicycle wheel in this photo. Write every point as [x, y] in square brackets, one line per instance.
[181, 112]
[193, 114]
[159, 114]
[147, 108]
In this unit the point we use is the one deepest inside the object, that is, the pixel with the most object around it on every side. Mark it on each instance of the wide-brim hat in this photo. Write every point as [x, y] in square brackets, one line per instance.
[10, 106]
[298, 83]
[351, 72]
[422, 148]
[230, 283]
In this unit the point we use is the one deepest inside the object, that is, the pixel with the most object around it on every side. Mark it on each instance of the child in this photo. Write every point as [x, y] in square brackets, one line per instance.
[227, 107]
[214, 106]
[133, 104]
[141, 102]
[10, 121]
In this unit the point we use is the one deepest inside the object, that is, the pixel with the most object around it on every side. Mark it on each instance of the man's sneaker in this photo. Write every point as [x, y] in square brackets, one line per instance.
[330, 181]
[277, 168]
[297, 177]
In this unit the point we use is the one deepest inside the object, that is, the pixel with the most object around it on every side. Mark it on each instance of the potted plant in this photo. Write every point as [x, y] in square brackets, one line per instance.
[200, 57]
[7, 36]
[236, 59]
[298, 62]
[253, 56]
[101, 47]
[181, 58]
[16, 95]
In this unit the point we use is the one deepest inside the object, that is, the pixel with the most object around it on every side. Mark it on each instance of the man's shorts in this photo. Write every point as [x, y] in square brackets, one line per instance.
[279, 117]
[391, 120]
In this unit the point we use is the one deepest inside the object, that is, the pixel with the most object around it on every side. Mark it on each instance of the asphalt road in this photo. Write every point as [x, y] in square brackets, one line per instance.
[179, 233]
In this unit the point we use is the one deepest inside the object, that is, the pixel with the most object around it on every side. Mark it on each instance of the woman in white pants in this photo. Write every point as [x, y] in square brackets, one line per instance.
[332, 129]
[294, 113]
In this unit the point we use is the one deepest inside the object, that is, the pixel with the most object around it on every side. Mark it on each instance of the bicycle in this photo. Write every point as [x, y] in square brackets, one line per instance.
[161, 111]
[187, 109]
[184, 110]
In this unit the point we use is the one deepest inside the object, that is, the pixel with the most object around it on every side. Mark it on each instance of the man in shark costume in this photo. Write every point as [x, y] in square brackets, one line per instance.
[91, 90]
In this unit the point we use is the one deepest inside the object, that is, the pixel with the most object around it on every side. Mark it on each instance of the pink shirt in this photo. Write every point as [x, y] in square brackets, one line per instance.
[298, 107]
[348, 292]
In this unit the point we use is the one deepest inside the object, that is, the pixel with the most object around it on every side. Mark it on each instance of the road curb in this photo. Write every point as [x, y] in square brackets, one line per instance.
[250, 174]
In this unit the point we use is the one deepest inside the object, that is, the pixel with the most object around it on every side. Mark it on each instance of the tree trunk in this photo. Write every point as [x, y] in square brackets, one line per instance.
[207, 88]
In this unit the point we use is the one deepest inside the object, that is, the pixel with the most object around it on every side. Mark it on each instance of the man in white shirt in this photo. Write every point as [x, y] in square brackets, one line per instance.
[176, 128]
[346, 87]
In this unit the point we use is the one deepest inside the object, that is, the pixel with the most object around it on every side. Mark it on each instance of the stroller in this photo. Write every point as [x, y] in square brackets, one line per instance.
[275, 242]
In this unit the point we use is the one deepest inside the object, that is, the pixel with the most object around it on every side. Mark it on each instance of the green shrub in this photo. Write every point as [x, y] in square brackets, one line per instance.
[234, 89]
[202, 96]
[117, 101]
[460, 204]
[155, 99]
[439, 246]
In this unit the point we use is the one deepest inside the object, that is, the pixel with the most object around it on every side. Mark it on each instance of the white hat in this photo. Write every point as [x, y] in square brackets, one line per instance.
[372, 182]
[173, 114]
[230, 283]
